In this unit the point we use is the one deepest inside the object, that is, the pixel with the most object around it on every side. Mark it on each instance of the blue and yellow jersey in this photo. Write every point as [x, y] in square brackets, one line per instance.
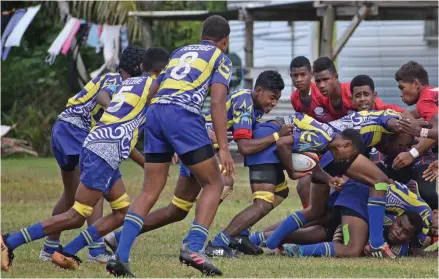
[371, 124]
[82, 110]
[241, 115]
[399, 199]
[191, 71]
[116, 134]
[309, 134]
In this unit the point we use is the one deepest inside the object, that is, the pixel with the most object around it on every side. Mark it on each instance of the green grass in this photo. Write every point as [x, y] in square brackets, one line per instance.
[30, 188]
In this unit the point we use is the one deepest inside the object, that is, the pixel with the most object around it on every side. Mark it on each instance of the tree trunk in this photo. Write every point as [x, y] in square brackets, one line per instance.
[146, 25]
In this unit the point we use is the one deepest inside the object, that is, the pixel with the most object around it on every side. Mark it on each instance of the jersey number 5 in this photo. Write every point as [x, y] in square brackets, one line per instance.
[184, 64]
[118, 99]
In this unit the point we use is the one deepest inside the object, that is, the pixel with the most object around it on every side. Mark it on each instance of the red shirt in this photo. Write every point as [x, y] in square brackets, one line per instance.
[346, 101]
[317, 108]
[427, 103]
[379, 105]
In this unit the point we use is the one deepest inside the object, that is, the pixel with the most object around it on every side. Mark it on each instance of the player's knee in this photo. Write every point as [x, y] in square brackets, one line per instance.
[226, 191]
[263, 201]
[313, 212]
[179, 208]
[280, 196]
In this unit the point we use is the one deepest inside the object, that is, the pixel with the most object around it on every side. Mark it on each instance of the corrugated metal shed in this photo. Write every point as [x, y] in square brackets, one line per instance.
[379, 48]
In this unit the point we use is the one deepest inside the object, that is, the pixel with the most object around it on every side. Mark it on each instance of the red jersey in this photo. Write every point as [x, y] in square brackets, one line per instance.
[380, 105]
[346, 102]
[317, 108]
[427, 103]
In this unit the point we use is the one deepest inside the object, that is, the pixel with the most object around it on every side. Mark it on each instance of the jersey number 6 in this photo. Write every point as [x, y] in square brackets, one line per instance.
[184, 64]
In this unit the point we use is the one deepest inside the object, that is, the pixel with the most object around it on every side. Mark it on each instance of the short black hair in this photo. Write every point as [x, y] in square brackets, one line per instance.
[410, 71]
[357, 140]
[415, 220]
[131, 59]
[299, 62]
[322, 64]
[362, 80]
[215, 28]
[154, 59]
[271, 80]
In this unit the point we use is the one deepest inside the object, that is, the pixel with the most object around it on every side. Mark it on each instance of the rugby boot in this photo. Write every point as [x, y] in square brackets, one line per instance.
[111, 241]
[101, 258]
[118, 268]
[199, 261]
[244, 245]
[7, 254]
[380, 252]
[65, 260]
[220, 251]
[292, 250]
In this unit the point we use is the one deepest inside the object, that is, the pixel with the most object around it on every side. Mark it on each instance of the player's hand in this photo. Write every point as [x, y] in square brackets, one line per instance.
[175, 159]
[403, 160]
[411, 126]
[336, 183]
[431, 173]
[285, 130]
[227, 162]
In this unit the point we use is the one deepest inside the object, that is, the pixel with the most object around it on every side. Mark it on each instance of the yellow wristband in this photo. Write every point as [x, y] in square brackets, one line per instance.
[276, 136]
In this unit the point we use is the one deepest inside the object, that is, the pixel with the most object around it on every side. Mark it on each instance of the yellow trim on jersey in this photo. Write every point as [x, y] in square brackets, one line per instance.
[411, 199]
[305, 124]
[185, 86]
[198, 64]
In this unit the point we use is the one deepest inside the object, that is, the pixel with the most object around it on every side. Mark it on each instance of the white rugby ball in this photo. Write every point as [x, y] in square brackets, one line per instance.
[305, 161]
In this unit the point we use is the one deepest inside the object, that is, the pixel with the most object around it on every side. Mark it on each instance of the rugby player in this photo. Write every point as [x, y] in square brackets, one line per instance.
[175, 124]
[68, 134]
[109, 142]
[339, 101]
[244, 109]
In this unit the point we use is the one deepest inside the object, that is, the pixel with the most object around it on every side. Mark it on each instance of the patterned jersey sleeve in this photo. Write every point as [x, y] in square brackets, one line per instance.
[386, 115]
[242, 117]
[222, 71]
[110, 83]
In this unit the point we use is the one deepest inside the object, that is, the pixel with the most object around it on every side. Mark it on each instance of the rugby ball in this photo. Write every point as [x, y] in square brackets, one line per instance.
[305, 161]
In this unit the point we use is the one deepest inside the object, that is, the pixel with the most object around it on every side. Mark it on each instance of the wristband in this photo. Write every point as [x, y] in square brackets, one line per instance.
[424, 133]
[276, 136]
[414, 152]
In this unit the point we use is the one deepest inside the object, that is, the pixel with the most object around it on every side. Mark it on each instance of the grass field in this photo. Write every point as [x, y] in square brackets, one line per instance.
[30, 188]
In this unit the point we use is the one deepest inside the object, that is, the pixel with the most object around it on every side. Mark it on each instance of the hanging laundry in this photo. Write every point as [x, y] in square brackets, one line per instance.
[124, 37]
[56, 46]
[93, 37]
[14, 38]
[11, 25]
[66, 46]
[110, 38]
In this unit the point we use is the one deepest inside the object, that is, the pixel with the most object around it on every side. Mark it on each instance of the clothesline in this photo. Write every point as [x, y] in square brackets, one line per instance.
[108, 37]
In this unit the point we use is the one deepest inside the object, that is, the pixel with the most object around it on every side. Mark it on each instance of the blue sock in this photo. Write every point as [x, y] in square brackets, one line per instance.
[196, 237]
[97, 247]
[245, 232]
[117, 235]
[222, 239]
[132, 225]
[85, 238]
[324, 249]
[376, 208]
[26, 235]
[50, 246]
[257, 238]
[292, 223]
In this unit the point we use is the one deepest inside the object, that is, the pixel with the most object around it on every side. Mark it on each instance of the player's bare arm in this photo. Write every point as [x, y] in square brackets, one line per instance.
[250, 146]
[103, 98]
[218, 108]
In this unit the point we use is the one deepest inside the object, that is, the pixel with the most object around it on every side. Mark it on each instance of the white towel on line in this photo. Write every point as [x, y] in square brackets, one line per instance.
[14, 38]
[110, 38]
[56, 46]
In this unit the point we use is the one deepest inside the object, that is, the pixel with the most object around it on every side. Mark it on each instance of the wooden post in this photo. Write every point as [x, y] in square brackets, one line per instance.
[248, 49]
[362, 13]
[146, 33]
[327, 32]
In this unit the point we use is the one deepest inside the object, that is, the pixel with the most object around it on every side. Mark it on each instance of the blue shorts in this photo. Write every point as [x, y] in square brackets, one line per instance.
[66, 143]
[172, 128]
[269, 154]
[353, 196]
[97, 174]
[184, 170]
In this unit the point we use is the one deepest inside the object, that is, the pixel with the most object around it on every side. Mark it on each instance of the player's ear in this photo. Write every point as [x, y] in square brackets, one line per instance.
[374, 93]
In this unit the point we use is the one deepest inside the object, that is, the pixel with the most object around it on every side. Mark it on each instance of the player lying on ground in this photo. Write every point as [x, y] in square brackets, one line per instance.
[351, 204]
[106, 146]
[68, 134]
[372, 125]
[244, 109]
[175, 124]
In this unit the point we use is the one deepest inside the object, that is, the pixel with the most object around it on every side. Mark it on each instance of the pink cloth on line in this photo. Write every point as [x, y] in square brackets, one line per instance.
[66, 46]
[100, 27]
